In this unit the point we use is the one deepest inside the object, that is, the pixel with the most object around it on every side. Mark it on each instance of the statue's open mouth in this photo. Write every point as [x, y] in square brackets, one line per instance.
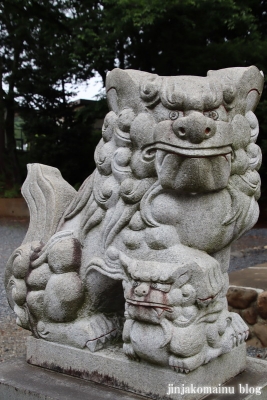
[190, 169]
[199, 152]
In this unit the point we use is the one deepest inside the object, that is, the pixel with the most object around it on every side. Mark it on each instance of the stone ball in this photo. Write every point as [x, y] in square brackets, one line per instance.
[65, 256]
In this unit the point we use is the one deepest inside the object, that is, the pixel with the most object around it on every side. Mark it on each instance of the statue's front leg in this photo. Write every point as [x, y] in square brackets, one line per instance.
[126, 336]
[73, 312]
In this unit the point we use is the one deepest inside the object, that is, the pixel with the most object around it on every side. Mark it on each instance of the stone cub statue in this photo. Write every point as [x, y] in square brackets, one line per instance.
[175, 308]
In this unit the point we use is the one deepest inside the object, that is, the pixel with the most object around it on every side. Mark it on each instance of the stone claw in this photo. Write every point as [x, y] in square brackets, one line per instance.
[181, 365]
[241, 330]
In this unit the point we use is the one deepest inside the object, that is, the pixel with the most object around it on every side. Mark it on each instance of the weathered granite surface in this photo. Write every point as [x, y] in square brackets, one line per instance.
[142, 250]
[111, 367]
[22, 381]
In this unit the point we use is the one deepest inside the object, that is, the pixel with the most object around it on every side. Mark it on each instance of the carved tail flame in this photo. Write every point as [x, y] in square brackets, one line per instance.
[48, 195]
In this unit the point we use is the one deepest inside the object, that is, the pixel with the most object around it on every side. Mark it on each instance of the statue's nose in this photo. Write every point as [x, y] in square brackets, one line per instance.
[195, 127]
[142, 289]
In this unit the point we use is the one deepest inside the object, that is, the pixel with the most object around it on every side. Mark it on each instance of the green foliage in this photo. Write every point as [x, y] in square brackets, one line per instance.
[2, 184]
[67, 145]
[8, 192]
[170, 37]
[179, 37]
[49, 44]
[13, 192]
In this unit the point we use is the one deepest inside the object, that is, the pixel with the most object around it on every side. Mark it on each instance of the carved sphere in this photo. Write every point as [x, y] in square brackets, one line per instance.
[125, 119]
[65, 256]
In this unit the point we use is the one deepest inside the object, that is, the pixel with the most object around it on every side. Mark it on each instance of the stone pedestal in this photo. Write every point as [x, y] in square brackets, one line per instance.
[112, 368]
[21, 381]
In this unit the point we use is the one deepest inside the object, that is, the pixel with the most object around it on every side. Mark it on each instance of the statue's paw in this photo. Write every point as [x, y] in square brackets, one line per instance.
[22, 317]
[186, 365]
[16, 272]
[93, 332]
[101, 330]
[241, 330]
[129, 351]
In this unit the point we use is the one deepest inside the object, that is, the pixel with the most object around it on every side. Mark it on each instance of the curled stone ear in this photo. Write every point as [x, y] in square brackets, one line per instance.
[113, 100]
[254, 81]
[253, 98]
[123, 89]
[245, 84]
[129, 265]
[182, 275]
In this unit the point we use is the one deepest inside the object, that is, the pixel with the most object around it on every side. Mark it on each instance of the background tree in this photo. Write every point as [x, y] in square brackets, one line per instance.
[36, 66]
[51, 43]
[68, 146]
[183, 37]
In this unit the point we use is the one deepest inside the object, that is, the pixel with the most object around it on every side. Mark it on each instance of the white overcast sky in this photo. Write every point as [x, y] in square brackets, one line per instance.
[90, 90]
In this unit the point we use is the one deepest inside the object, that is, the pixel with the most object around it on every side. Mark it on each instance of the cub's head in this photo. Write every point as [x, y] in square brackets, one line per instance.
[163, 282]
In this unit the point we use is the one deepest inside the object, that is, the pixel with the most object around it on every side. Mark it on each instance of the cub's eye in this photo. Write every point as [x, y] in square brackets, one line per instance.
[212, 114]
[135, 284]
[186, 294]
[163, 287]
[174, 115]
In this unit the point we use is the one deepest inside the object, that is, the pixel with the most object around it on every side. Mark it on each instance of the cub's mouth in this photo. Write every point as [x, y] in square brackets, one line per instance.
[159, 307]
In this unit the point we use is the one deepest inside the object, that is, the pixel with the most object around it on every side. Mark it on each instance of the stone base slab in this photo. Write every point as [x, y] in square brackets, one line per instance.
[112, 368]
[22, 381]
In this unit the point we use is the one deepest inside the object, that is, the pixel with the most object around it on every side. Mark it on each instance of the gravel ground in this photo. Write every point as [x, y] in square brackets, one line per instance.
[12, 337]
[250, 250]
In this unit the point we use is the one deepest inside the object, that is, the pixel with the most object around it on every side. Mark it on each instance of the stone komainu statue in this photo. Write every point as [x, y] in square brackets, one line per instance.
[142, 249]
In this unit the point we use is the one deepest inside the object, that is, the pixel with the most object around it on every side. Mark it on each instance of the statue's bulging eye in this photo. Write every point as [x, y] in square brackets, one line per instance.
[174, 115]
[154, 285]
[135, 284]
[212, 114]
